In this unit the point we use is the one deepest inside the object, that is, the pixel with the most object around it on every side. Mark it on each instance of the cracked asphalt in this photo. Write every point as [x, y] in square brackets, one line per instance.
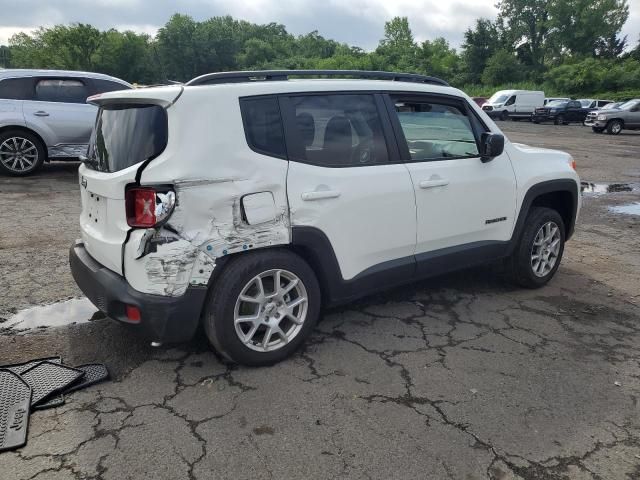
[461, 377]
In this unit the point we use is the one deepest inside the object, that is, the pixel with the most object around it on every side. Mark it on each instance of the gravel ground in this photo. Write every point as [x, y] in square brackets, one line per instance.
[463, 376]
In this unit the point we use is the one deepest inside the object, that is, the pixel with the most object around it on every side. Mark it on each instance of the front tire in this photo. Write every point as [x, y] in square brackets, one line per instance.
[614, 127]
[504, 116]
[559, 120]
[21, 153]
[539, 251]
[262, 307]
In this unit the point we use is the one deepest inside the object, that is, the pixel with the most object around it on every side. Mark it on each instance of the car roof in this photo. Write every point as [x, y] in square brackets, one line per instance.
[255, 88]
[27, 72]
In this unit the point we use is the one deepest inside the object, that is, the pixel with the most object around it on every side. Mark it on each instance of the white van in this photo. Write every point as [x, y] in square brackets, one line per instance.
[513, 103]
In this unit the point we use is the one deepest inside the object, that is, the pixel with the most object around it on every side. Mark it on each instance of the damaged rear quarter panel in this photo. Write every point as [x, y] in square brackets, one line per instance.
[211, 169]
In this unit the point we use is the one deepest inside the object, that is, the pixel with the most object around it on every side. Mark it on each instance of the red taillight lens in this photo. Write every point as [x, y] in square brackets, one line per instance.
[146, 207]
[133, 314]
[141, 207]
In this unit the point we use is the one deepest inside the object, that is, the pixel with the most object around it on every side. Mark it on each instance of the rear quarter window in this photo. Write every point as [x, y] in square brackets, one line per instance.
[17, 89]
[104, 86]
[263, 126]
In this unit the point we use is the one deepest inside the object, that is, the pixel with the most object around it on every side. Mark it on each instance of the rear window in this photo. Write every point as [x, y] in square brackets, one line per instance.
[125, 135]
[16, 89]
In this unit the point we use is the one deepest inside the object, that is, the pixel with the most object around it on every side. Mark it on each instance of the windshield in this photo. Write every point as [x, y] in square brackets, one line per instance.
[499, 98]
[557, 103]
[125, 135]
[628, 105]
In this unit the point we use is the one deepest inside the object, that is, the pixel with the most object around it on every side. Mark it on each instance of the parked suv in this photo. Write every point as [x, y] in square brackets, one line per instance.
[561, 112]
[614, 120]
[247, 201]
[44, 115]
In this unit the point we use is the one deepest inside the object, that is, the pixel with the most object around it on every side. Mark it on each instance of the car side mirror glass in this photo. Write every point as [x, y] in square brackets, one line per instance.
[491, 145]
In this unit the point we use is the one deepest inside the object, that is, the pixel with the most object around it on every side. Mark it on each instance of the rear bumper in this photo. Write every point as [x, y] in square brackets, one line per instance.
[163, 319]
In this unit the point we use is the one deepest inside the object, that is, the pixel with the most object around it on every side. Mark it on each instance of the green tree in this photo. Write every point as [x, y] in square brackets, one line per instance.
[588, 27]
[525, 25]
[127, 55]
[502, 68]
[480, 43]
[398, 46]
[436, 57]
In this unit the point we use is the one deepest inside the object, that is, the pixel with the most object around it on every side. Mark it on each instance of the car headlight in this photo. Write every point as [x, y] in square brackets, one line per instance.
[602, 117]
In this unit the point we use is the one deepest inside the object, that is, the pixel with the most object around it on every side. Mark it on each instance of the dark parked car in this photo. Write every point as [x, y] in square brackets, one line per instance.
[479, 100]
[561, 112]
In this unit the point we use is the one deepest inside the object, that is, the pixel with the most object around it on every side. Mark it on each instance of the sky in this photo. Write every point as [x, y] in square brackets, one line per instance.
[356, 22]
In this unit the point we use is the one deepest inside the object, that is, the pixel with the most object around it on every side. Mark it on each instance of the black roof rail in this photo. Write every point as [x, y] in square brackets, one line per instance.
[274, 75]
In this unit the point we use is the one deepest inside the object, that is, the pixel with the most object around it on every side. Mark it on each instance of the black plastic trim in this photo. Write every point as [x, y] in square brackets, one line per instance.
[550, 186]
[164, 319]
[316, 248]
[283, 75]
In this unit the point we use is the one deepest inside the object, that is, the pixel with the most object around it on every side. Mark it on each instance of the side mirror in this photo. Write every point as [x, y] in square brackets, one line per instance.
[491, 145]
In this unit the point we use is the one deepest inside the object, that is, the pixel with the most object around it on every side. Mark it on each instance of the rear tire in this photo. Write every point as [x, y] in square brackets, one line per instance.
[539, 251]
[21, 153]
[614, 127]
[269, 330]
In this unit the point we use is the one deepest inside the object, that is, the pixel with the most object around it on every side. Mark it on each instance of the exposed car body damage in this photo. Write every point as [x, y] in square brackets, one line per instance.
[181, 253]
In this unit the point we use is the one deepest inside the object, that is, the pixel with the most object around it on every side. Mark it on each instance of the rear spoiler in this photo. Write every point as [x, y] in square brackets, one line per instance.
[163, 96]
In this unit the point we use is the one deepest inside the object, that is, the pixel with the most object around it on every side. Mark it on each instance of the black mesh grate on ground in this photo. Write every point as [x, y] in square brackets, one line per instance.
[93, 373]
[15, 399]
[48, 378]
[21, 367]
[55, 401]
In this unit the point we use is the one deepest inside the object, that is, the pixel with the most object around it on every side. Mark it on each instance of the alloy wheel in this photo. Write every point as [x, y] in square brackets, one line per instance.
[270, 310]
[545, 249]
[18, 154]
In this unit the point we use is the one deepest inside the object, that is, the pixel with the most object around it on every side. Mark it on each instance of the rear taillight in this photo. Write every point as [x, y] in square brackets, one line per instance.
[148, 207]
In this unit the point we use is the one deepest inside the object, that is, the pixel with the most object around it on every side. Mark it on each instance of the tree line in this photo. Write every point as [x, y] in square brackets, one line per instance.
[569, 47]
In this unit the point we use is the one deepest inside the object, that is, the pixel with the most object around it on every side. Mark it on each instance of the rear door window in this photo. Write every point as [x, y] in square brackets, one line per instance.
[61, 90]
[336, 130]
[17, 89]
[125, 135]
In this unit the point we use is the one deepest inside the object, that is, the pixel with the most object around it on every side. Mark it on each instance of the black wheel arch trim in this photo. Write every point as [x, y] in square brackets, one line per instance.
[542, 188]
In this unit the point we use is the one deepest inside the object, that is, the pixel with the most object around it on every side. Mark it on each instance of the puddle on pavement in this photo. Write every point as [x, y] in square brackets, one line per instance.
[630, 209]
[602, 188]
[76, 310]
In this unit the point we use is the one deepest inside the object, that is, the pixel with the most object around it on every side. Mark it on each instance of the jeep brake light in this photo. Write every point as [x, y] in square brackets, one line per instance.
[147, 207]
[572, 164]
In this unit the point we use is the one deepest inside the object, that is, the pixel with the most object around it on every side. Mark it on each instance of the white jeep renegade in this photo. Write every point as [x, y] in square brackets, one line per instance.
[248, 200]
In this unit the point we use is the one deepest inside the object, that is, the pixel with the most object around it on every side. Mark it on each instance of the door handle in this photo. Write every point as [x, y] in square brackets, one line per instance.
[320, 195]
[41, 113]
[434, 182]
